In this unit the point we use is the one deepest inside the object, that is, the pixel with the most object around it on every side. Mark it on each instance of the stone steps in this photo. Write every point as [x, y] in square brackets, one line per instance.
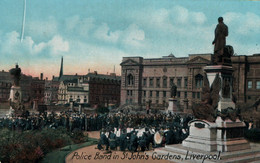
[242, 156]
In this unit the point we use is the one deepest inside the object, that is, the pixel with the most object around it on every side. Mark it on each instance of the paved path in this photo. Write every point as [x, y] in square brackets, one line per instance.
[91, 151]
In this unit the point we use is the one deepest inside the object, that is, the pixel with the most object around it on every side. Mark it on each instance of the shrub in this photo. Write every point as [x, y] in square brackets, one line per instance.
[31, 146]
[253, 134]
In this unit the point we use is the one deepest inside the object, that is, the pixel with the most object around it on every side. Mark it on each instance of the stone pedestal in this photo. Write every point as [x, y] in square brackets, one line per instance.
[186, 105]
[80, 108]
[172, 108]
[35, 104]
[15, 97]
[223, 135]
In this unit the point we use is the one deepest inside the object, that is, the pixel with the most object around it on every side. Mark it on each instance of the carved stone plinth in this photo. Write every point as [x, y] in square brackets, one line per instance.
[224, 136]
[15, 98]
[172, 108]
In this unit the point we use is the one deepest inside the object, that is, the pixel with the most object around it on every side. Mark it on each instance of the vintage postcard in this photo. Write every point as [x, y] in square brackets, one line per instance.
[129, 81]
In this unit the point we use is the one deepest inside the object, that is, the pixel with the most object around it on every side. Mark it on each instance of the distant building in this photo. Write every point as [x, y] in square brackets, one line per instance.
[246, 77]
[51, 92]
[145, 79]
[37, 90]
[5, 91]
[103, 89]
[151, 79]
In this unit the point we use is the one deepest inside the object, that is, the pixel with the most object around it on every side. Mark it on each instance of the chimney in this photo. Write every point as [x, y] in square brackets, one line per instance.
[52, 77]
[41, 76]
[95, 72]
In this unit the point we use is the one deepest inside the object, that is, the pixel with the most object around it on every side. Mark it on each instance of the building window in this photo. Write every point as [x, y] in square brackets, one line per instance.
[131, 92]
[249, 84]
[198, 95]
[164, 103]
[131, 101]
[126, 101]
[257, 84]
[171, 81]
[198, 81]
[178, 94]
[157, 82]
[164, 93]
[157, 101]
[249, 97]
[151, 82]
[185, 95]
[151, 93]
[128, 92]
[78, 100]
[164, 82]
[144, 82]
[193, 95]
[85, 100]
[179, 83]
[144, 93]
[130, 79]
[185, 82]
[157, 93]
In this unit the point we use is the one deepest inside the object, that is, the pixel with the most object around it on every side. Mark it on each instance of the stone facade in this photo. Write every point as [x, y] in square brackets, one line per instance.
[152, 78]
[246, 77]
[145, 79]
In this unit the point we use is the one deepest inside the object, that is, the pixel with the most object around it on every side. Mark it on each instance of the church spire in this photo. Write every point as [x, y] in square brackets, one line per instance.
[61, 68]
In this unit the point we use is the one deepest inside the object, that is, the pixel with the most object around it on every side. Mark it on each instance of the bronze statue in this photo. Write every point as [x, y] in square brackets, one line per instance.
[221, 32]
[173, 90]
[16, 75]
[207, 109]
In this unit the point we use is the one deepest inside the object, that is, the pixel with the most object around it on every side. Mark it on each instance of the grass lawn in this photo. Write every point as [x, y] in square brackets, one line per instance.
[58, 156]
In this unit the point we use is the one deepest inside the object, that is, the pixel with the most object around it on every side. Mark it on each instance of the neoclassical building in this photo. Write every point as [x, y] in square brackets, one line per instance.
[150, 79]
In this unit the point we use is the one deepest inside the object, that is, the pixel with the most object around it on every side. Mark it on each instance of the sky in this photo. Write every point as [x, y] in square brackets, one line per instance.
[96, 35]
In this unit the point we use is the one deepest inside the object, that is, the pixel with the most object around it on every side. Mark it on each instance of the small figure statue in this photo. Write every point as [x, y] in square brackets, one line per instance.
[173, 90]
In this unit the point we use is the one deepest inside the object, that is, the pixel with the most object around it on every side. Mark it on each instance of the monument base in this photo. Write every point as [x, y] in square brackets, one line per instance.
[15, 97]
[224, 136]
[172, 108]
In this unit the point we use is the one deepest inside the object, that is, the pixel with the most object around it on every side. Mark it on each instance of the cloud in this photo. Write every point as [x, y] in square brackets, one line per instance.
[104, 33]
[11, 45]
[244, 24]
[134, 36]
[42, 29]
[79, 26]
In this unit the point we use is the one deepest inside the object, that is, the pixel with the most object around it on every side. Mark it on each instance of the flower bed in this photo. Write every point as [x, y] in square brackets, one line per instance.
[32, 146]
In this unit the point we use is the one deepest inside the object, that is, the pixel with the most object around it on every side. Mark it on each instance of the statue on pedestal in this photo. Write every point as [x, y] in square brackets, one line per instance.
[16, 103]
[221, 32]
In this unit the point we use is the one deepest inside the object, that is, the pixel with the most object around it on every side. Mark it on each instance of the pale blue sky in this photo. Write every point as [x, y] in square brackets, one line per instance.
[96, 34]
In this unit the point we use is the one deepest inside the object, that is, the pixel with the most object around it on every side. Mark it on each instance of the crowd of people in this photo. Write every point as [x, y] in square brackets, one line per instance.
[126, 131]
[143, 132]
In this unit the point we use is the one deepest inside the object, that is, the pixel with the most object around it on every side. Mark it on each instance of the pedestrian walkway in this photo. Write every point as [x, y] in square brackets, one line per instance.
[92, 155]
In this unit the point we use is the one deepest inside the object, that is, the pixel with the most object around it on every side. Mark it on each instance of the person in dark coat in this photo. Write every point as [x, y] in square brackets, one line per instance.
[112, 140]
[133, 142]
[123, 141]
